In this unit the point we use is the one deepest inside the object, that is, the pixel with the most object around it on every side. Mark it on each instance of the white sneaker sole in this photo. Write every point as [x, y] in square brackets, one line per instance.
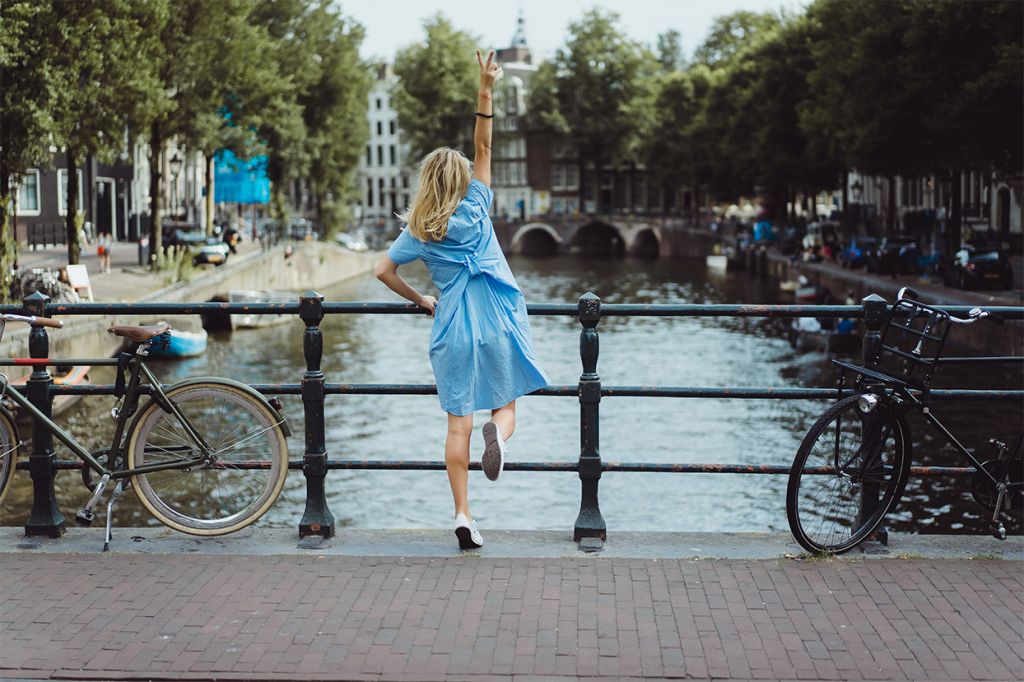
[465, 536]
[493, 460]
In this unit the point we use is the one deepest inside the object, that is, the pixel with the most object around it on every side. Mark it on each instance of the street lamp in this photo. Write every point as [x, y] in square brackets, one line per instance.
[175, 164]
[857, 186]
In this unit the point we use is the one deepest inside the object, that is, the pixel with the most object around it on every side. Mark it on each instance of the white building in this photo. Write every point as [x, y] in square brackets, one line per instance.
[386, 185]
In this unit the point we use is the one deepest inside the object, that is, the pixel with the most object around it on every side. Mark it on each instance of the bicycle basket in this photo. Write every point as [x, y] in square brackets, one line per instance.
[912, 339]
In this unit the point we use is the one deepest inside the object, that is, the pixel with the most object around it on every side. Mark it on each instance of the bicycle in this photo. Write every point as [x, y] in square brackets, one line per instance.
[206, 456]
[852, 466]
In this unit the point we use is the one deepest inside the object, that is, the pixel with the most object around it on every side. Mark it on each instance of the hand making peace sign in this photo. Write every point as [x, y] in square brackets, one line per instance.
[489, 72]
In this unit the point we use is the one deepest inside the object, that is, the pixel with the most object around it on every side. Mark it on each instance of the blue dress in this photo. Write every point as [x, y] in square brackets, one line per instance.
[481, 348]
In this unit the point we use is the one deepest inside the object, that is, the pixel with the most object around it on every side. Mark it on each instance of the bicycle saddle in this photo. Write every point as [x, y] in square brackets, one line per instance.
[139, 334]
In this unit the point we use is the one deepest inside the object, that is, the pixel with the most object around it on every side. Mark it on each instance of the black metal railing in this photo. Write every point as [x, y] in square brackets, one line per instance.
[46, 519]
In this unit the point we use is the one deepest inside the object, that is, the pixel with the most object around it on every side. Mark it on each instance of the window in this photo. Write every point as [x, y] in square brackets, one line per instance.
[392, 182]
[62, 191]
[378, 102]
[369, 192]
[405, 199]
[394, 156]
[369, 155]
[380, 156]
[392, 126]
[380, 127]
[28, 193]
[405, 182]
[558, 177]
[572, 177]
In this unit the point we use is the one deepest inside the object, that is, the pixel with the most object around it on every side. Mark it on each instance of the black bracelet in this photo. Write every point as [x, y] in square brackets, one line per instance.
[484, 115]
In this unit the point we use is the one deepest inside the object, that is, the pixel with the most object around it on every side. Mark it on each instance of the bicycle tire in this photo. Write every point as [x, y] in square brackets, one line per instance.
[814, 499]
[9, 444]
[217, 409]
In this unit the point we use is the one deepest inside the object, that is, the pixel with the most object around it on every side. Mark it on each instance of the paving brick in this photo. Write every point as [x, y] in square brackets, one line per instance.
[324, 618]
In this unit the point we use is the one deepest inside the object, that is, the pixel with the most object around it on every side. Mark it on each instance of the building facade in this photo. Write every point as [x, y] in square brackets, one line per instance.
[514, 198]
[386, 180]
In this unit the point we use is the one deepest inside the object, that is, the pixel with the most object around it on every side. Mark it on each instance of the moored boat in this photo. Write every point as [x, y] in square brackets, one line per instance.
[252, 320]
[75, 375]
[180, 345]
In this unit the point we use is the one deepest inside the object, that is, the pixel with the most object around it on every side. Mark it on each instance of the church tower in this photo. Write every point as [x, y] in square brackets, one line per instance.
[518, 51]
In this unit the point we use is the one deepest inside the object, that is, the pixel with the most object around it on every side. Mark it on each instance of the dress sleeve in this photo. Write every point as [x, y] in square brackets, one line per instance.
[405, 249]
[479, 196]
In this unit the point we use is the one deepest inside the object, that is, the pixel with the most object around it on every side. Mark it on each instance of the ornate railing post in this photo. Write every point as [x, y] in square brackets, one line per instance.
[589, 523]
[875, 311]
[45, 517]
[317, 518]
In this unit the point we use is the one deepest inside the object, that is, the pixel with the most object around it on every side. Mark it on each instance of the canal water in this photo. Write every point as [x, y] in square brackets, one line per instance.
[715, 352]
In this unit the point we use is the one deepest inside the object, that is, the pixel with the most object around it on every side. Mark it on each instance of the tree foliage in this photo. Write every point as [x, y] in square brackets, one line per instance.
[436, 90]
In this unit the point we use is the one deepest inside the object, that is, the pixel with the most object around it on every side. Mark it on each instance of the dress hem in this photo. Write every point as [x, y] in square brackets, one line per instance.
[502, 403]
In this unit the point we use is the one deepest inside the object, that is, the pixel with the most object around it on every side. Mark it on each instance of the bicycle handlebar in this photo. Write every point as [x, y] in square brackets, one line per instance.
[975, 314]
[33, 320]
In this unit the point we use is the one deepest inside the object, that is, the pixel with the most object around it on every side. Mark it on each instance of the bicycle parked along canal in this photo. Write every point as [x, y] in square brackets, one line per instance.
[861, 446]
[206, 456]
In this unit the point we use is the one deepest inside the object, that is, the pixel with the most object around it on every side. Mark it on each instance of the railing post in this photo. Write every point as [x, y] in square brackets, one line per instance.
[589, 523]
[45, 517]
[317, 518]
[875, 310]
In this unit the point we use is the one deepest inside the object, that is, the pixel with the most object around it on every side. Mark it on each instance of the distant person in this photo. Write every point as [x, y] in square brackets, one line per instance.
[231, 238]
[481, 348]
[104, 242]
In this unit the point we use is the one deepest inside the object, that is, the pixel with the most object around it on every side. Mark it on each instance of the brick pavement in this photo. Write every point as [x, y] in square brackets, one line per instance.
[108, 616]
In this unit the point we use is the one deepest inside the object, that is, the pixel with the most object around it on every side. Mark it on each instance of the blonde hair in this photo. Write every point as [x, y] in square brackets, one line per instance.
[444, 180]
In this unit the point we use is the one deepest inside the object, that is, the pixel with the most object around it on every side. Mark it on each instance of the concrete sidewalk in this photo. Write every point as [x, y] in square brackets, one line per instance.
[128, 281]
[322, 616]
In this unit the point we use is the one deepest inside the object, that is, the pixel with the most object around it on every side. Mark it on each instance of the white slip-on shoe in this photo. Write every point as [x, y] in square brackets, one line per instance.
[469, 537]
[493, 460]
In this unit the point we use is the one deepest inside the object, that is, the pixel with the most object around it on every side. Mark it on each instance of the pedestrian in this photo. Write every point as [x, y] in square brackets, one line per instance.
[481, 348]
[104, 242]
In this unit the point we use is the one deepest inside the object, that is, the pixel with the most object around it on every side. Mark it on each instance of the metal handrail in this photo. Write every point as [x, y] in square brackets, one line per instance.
[311, 309]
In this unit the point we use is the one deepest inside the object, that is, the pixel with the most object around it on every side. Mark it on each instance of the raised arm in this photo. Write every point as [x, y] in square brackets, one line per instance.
[489, 72]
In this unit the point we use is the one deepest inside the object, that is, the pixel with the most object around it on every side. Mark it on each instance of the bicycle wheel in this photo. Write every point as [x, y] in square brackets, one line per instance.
[231, 488]
[846, 451]
[8, 452]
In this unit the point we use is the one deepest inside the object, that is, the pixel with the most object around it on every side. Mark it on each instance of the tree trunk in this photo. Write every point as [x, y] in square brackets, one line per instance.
[71, 220]
[844, 221]
[156, 234]
[581, 190]
[209, 194]
[890, 219]
[954, 225]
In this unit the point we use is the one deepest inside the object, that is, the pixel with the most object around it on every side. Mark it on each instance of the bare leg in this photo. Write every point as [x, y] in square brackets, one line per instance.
[505, 418]
[456, 460]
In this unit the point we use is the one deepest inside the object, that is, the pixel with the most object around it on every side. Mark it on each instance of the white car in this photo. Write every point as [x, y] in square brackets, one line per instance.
[351, 242]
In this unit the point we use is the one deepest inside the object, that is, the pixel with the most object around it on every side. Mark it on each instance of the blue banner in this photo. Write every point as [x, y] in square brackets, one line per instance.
[240, 182]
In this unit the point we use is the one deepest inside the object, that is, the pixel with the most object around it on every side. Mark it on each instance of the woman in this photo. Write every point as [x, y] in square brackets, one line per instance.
[481, 348]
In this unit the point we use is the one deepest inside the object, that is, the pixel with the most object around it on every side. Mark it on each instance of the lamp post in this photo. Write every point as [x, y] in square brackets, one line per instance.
[175, 164]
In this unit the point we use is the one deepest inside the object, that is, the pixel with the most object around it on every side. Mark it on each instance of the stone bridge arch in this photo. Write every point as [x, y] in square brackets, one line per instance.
[617, 237]
[538, 239]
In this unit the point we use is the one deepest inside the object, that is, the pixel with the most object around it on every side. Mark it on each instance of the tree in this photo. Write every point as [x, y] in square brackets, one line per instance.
[104, 82]
[731, 34]
[436, 90]
[24, 111]
[591, 91]
[670, 50]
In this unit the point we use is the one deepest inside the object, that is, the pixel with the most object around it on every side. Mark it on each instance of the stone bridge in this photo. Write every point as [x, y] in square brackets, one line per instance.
[648, 236]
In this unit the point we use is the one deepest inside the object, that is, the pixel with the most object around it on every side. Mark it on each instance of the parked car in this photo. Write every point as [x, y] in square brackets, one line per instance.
[351, 241]
[820, 233]
[791, 239]
[894, 255]
[980, 268]
[204, 248]
[855, 254]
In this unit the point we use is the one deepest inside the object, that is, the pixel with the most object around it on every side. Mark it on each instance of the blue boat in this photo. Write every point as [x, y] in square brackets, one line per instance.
[181, 345]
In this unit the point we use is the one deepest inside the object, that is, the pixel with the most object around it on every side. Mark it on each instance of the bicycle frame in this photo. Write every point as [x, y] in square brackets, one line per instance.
[127, 410]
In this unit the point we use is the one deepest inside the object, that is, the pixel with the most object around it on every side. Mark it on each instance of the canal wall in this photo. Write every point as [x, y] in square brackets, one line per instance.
[981, 338]
[310, 265]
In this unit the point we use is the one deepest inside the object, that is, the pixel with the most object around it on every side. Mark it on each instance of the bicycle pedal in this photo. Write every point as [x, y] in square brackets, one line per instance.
[84, 517]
